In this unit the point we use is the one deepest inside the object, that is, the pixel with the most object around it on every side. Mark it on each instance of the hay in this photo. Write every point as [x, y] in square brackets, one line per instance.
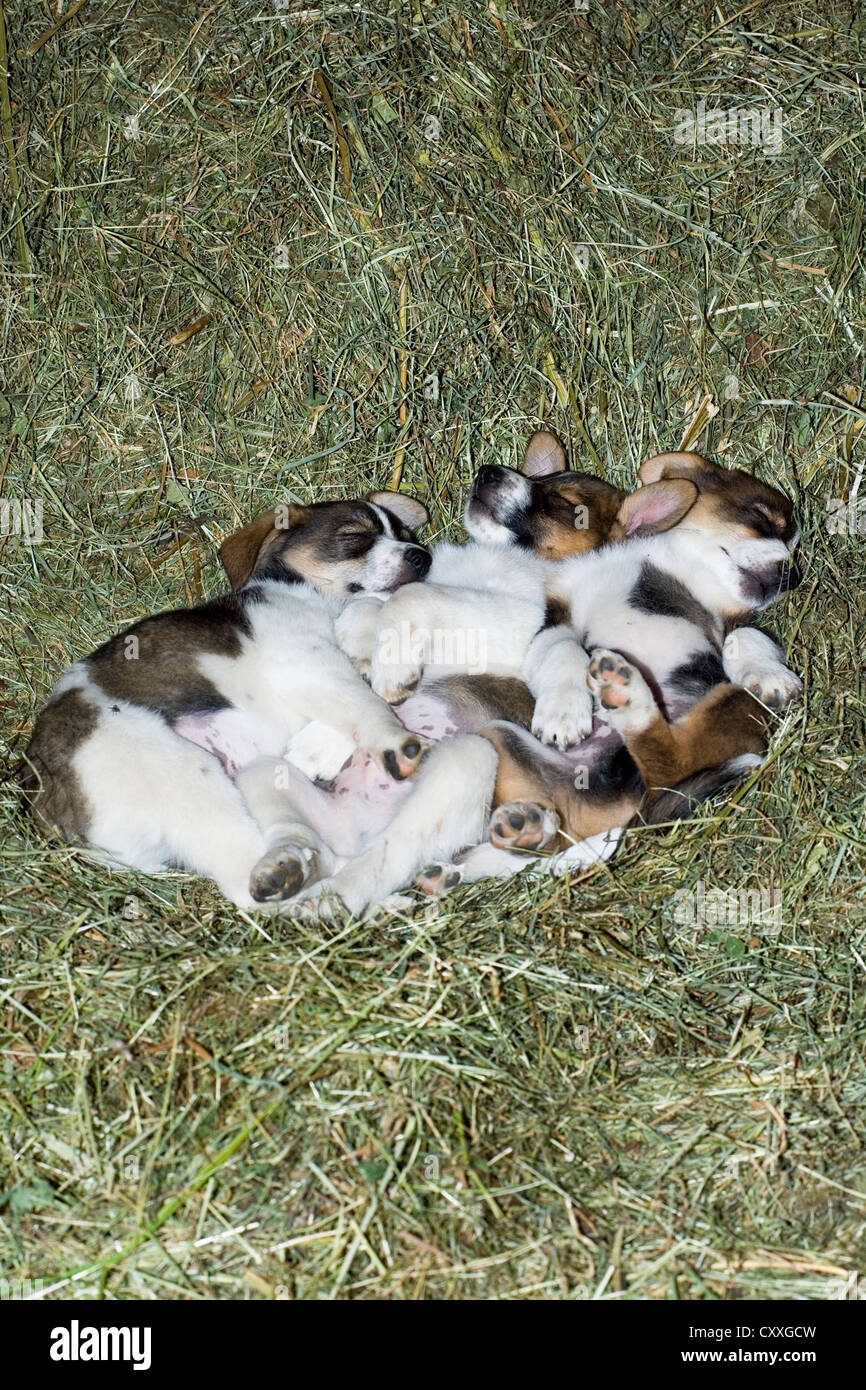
[405, 236]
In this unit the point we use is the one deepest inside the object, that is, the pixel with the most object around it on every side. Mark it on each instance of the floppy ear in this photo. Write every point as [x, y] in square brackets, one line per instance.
[244, 551]
[407, 509]
[656, 507]
[672, 465]
[544, 455]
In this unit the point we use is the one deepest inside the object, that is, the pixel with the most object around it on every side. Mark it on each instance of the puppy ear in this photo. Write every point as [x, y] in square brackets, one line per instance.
[544, 455]
[245, 551]
[653, 508]
[672, 465]
[407, 509]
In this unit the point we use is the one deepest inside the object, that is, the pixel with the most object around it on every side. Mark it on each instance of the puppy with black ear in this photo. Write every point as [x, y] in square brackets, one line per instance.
[137, 750]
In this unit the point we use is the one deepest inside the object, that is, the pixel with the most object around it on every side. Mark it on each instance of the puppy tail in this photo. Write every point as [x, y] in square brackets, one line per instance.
[683, 800]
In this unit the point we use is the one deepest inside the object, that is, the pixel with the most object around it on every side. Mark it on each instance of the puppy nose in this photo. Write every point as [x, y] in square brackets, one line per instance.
[791, 575]
[419, 559]
[488, 474]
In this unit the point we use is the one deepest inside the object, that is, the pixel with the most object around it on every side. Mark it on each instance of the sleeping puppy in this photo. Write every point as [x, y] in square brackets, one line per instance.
[501, 590]
[490, 597]
[494, 594]
[483, 602]
[652, 626]
[137, 749]
[508, 602]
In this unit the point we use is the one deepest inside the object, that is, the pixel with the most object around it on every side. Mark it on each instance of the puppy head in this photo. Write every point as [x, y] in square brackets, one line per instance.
[341, 548]
[554, 512]
[545, 507]
[731, 504]
[750, 525]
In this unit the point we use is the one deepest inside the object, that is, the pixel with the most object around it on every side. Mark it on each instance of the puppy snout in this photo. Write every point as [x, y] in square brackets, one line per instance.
[488, 476]
[790, 576]
[419, 559]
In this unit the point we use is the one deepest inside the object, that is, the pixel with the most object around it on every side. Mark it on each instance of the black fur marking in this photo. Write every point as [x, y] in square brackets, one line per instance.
[557, 613]
[152, 663]
[614, 775]
[667, 597]
[399, 529]
[391, 765]
[700, 673]
[473, 701]
[273, 569]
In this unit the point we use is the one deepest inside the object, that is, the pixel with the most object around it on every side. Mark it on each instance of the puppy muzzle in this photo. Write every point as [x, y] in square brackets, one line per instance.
[419, 560]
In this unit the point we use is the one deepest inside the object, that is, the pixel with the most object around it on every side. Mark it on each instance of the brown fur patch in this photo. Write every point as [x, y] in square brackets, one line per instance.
[730, 502]
[571, 514]
[527, 773]
[476, 700]
[725, 724]
[247, 550]
[49, 783]
[153, 662]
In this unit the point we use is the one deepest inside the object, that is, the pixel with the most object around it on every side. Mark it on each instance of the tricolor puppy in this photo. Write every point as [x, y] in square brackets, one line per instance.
[652, 626]
[489, 598]
[137, 749]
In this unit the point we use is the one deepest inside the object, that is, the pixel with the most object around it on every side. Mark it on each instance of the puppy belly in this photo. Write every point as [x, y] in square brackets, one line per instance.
[595, 751]
[231, 735]
[366, 798]
[429, 716]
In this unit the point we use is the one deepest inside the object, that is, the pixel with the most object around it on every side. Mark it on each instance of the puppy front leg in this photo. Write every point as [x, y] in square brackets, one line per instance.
[336, 695]
[555, 670]
[399, 650]
[754, 660]
[433, 629]
[357, 627]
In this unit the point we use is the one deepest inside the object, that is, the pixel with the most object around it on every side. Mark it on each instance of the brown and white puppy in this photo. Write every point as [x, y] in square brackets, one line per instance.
[136, 751]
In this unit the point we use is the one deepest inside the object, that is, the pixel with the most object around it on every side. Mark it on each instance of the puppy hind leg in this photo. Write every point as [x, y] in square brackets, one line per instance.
[158, 800]
[474, 864]
[294, 818]
[532, 775]
[726, 724]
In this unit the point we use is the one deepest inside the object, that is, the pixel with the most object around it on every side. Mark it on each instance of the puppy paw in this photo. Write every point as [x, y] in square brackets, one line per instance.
[283, 872]
[356, 632]
[625, 700]
[775, 686]
[394, 682]
[523, 825]
[403, 759]
[563, 719]
[439, 879]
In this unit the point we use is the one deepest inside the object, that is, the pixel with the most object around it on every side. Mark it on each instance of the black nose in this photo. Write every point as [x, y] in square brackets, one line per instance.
[419, 558]
[791, 575]
[487, 475]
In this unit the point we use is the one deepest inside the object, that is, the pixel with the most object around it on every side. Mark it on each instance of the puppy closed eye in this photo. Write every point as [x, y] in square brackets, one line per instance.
[765, 520]
[353, 544]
